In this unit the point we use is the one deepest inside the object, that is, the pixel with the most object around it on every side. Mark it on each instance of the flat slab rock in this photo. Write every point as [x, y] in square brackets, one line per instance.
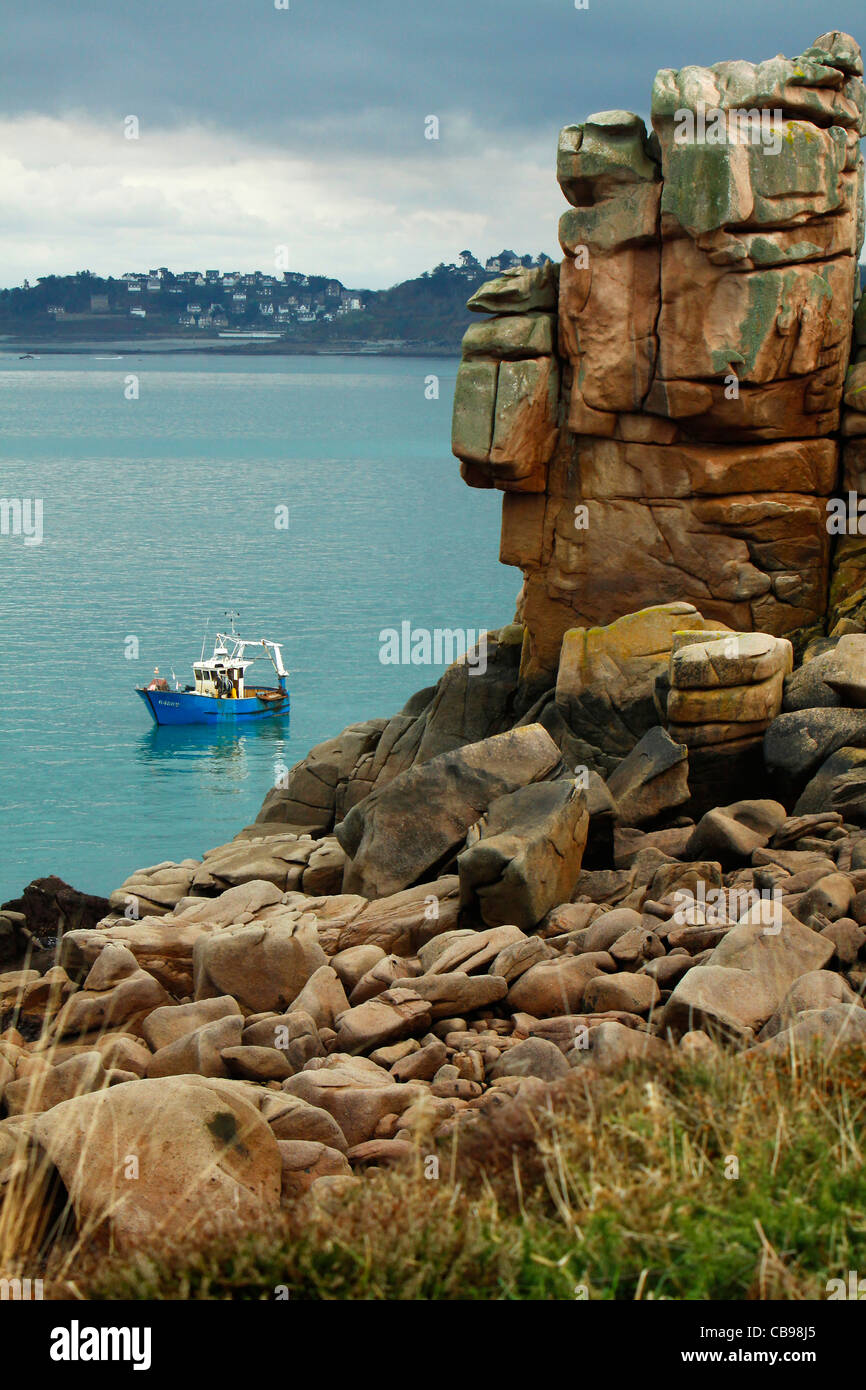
[404, 829]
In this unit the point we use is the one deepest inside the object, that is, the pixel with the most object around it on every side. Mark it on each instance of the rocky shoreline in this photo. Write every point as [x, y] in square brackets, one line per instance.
[410, 937]
[635, 832]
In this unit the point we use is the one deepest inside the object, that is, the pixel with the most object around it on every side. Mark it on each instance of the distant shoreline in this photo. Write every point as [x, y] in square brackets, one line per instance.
[164, 347]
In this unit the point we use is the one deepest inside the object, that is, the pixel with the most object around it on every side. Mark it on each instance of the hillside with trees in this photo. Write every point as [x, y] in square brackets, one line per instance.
[285, 311]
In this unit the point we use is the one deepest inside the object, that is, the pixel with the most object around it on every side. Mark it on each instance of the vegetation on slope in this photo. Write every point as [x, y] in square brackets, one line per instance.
[729, 1179]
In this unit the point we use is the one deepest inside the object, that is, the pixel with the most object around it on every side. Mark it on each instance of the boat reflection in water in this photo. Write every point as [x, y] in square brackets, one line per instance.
[216, 753]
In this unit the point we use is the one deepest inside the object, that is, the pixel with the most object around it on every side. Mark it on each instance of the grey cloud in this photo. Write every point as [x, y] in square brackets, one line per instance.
[306, 125]
[373, 68]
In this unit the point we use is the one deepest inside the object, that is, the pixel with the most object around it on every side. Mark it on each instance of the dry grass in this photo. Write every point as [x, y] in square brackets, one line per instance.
[626, 1191]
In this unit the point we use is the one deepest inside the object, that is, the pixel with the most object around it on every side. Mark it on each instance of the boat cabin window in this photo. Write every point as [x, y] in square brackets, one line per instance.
[217, 677]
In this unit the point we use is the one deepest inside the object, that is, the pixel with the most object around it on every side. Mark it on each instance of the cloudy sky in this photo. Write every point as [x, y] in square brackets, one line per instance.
[304, 127]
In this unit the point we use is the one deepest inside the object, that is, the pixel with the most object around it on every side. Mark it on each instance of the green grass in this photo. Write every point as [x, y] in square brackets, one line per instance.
[621, 1191]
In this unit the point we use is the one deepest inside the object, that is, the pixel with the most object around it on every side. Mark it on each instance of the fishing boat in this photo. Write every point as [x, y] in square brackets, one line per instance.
[221, 691]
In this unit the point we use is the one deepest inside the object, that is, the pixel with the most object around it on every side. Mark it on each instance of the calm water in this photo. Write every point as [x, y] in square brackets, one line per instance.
[158, 515]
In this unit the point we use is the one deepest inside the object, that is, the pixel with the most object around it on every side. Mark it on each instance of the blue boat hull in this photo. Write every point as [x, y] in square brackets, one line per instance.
[185, 707]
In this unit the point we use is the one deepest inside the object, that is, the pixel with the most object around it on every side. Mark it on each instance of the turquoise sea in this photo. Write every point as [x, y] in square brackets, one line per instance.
[159, 514]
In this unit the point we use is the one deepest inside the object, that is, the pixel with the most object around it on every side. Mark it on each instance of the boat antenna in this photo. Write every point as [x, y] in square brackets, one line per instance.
[230, 613]
[203, 640]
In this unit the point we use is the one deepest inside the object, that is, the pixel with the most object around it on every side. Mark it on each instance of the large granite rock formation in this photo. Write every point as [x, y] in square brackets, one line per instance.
[662, 411]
